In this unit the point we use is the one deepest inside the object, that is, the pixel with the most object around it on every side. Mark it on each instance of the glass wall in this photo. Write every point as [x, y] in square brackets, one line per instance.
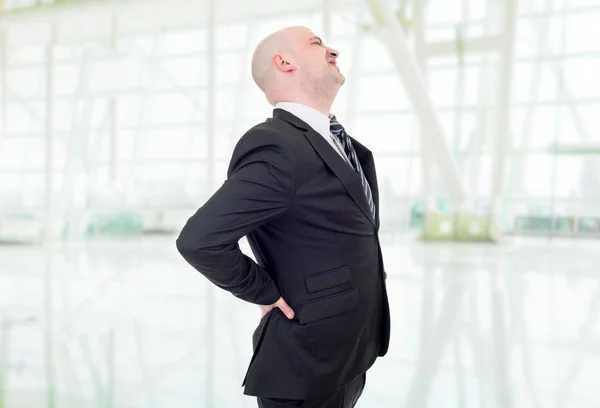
[122, 104]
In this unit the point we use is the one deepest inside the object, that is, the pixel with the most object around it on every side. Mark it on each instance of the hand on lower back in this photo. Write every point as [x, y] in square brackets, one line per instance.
[281, 304]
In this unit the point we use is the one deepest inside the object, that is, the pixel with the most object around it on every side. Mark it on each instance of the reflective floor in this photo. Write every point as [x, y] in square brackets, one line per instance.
[130, 324]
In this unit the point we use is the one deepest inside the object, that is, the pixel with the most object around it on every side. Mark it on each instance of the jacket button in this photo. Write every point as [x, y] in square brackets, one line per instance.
[384, 275]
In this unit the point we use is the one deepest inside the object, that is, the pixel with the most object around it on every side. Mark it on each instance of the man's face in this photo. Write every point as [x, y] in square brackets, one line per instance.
[317, 63]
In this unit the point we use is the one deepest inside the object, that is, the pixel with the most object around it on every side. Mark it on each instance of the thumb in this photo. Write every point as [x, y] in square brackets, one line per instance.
[285, 308]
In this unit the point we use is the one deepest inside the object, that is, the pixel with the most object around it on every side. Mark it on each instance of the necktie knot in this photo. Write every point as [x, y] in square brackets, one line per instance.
[335, 127]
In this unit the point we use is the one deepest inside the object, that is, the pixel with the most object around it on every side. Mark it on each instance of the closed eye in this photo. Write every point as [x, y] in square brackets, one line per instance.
[318, 41]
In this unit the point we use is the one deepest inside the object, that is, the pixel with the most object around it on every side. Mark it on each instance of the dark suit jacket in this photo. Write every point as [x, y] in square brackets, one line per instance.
[308, 223]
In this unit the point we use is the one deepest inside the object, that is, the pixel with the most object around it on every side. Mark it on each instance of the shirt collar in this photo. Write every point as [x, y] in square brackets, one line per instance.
[312, 117]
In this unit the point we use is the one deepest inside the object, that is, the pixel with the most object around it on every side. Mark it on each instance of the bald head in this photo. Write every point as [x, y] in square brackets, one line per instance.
[280, 42]
[294, 65]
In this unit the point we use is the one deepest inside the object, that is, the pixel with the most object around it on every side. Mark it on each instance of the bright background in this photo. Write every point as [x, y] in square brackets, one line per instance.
[118, 119]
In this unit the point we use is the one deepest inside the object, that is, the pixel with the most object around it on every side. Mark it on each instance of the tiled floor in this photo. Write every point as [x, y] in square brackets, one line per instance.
[130, 324]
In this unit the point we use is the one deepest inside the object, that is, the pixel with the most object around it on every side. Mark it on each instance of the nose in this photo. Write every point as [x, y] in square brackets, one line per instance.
[333, 53]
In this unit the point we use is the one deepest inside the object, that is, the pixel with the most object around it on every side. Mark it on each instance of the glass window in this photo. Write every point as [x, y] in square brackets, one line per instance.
[398, 177]
[480, 174]
[24, 117]
[67, 78]
[169, 73]
[164, 143]
[381, 93]
[578, 4]
[17, 153]
[343, 22]
[231, 67]
[233, 35]
[581, 75]
[442, 33]
[471, 135]
[85, 27]
[226, 99]
[227, 133]
[572, 123]
[384, 133]
[172, 108]
[183, 42]
[536, 81]
[137, 44]
[540, 36]
[443, 11]
[586, 114]
[534, 127]
[535, 176]
[474, 92]
[26, 82]
[158, 172]
[30, 34]
[374, 56]
[114, 74]
[442, 86]
[583, 32]
[253, 104]
[572, 180]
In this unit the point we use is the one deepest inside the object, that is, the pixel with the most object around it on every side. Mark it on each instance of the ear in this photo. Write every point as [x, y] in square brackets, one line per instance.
[283, 64]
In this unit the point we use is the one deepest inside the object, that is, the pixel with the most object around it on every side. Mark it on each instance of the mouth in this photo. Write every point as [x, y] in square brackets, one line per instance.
[332, 62]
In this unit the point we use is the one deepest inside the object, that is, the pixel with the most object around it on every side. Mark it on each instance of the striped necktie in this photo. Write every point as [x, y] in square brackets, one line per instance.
[341, 137]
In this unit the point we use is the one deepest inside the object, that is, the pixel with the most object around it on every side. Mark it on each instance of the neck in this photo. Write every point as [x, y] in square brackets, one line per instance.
[322, 104]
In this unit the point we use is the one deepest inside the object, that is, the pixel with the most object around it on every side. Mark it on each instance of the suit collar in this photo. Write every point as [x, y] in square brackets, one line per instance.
[338, 166]
[315, 119]
[293, 119]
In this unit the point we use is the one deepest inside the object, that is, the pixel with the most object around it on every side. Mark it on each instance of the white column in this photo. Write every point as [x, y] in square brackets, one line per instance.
[48, 324]
[326, 22]
[211, 311]
[500, 144]
[112, 140]
[3, 101]
[49, 134]
[112, 112]
[48, 342]
[484, 101]
[426, 154]
[211, 93]
[4, 348]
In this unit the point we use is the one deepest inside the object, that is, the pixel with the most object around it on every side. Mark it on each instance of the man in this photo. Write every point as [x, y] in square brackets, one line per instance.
[305, 195]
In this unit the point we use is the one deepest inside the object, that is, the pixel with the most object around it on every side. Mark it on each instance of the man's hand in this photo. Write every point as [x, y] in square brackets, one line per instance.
[281, 304]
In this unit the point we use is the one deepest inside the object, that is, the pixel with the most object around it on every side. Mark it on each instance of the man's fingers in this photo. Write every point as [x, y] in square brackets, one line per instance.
[264, 309]
[285, 308]
[282, 305]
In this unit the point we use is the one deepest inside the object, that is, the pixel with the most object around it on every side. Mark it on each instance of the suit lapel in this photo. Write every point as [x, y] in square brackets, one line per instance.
[342, 170]
[365, 157]
[338, 166]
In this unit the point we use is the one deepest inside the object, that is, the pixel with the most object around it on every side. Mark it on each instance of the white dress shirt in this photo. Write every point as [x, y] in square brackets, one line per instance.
[315, 119]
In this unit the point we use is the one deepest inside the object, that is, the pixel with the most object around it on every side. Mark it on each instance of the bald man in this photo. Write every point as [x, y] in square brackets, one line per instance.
[304, 193]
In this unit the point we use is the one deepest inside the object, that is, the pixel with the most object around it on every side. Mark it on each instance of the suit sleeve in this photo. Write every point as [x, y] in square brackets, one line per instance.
[259, 189]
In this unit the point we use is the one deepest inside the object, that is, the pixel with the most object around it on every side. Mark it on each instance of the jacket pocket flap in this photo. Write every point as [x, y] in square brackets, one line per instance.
[328, 307]
[329, 279]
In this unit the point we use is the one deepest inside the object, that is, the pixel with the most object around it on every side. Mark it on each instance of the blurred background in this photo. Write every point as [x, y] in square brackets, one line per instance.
[118, 119]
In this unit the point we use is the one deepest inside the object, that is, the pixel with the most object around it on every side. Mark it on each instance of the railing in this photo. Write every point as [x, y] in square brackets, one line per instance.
[567, 226]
